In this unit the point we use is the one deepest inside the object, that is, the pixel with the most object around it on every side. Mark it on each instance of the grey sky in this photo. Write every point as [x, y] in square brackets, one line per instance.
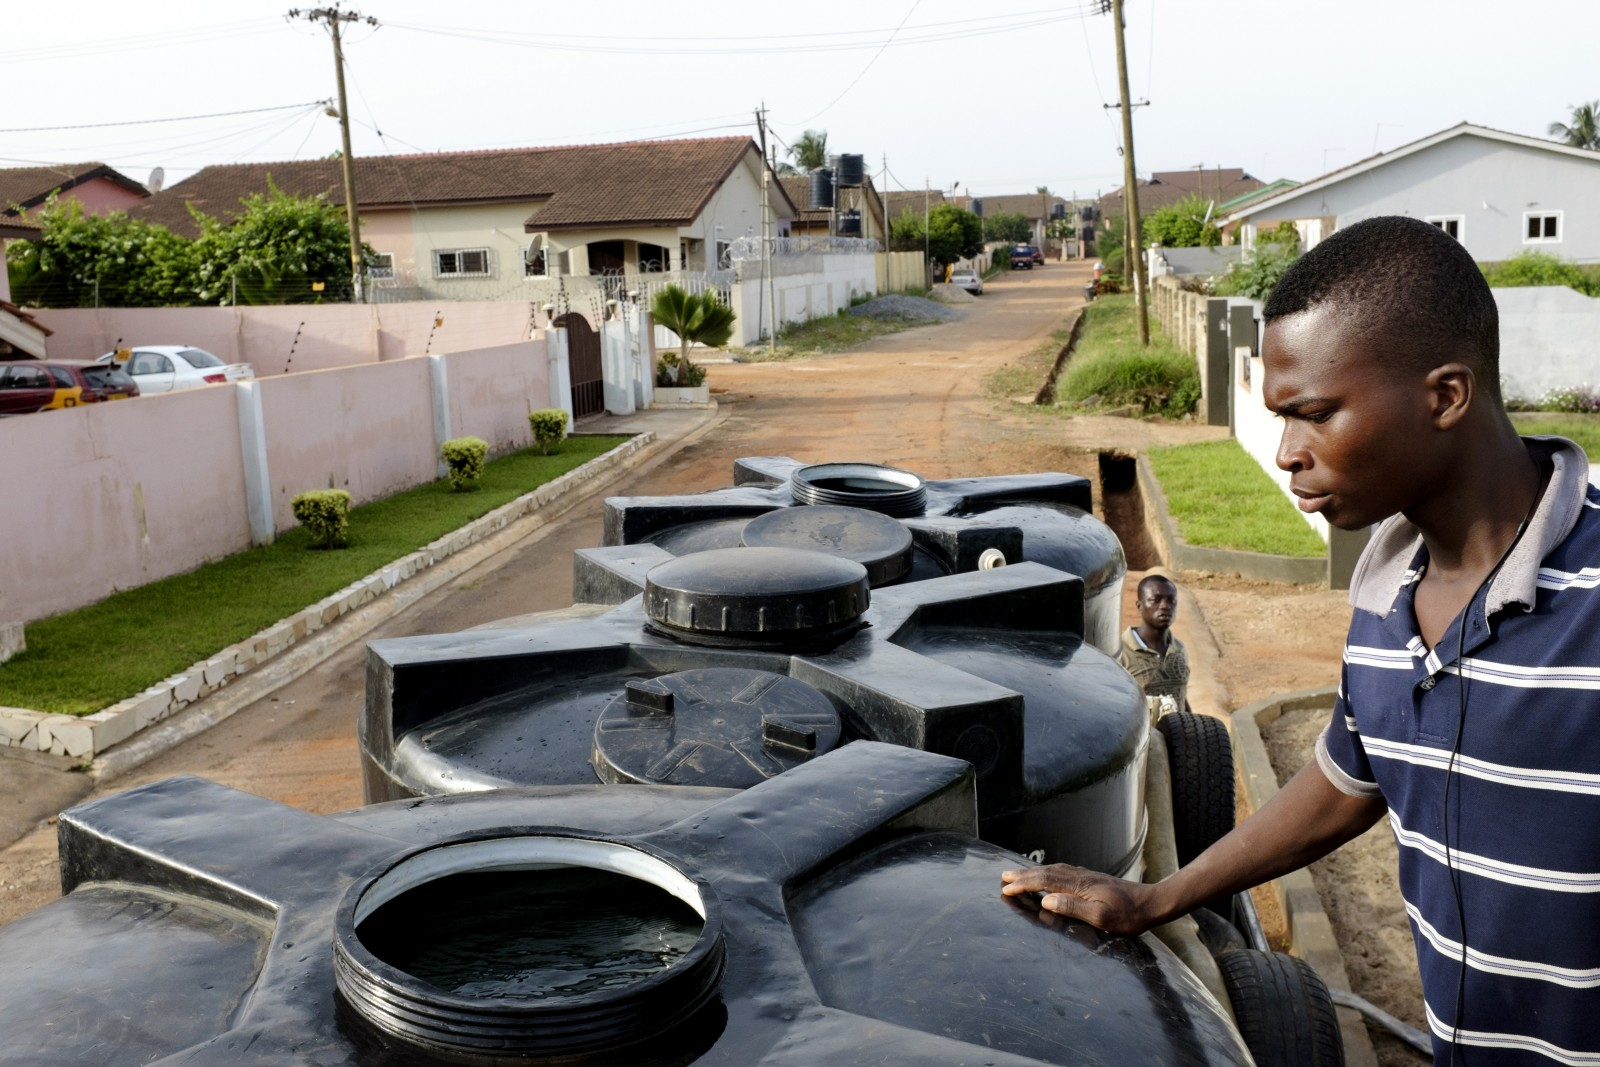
[1001, 96]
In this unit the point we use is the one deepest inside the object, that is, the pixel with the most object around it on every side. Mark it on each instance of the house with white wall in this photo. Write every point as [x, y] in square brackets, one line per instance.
[483, 225]
[1497, 193]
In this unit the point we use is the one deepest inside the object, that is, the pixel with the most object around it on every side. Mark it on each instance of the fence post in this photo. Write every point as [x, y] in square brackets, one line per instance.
[253, 451]
[1217, 385]
[647, 358]
[440, 381]
[1241, 347]
[1344, 548]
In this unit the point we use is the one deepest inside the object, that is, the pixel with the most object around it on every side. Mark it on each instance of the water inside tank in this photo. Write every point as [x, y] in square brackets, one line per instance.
[532, 934]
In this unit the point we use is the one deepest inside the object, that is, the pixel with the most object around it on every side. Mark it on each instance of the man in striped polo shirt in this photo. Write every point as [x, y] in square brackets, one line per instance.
[1469, 708]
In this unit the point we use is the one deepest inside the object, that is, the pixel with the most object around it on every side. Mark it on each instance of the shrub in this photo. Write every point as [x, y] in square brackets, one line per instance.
[464, 456]
[549, 426]
[1539, 268]
[326, 513]
[693, 374]
[1578, 399]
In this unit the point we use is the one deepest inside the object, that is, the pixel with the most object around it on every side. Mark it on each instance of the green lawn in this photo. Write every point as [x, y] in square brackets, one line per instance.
[1584, 429]
[1110, 364]
[85, 660]
[1220, 498]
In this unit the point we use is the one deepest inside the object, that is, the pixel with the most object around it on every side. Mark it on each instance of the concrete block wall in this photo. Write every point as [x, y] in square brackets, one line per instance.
[112, 496]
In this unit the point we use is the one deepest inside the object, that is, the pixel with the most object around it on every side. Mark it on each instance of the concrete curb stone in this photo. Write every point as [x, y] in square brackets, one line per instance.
[1311, 934]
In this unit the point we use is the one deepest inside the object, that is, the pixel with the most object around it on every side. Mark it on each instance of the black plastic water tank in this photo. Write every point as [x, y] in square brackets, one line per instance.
[956, 525]
[732, 666]
[843, 913]
[852, 170]
[850, 223]
[821, 189]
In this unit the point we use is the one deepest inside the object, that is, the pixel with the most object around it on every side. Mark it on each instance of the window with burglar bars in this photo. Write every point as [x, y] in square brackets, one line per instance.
[461, 263]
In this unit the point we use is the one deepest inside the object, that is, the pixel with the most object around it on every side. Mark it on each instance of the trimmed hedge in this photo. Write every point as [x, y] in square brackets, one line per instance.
[465, 457]
[549, 426]
[326, 513]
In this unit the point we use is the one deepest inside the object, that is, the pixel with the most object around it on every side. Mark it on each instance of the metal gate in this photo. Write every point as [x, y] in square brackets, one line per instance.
[583, 359]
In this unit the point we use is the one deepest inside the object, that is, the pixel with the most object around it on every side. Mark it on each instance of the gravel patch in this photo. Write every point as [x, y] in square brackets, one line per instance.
[951, 294]
[899, 308]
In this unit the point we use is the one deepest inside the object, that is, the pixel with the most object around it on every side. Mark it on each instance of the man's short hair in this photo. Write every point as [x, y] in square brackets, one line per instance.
[1404, 286]
[1155, 579]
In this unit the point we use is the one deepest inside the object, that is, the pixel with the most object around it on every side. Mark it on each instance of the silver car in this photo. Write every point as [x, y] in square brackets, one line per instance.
[968, 280]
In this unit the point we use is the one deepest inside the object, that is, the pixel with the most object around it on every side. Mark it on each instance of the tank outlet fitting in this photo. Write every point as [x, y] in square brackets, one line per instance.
[649, 696]
[990, 558]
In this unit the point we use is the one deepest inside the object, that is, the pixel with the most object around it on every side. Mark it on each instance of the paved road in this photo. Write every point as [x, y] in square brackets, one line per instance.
[913, 400]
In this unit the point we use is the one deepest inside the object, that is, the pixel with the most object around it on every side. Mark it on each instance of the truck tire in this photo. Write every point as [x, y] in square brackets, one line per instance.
[1282, 1009]
[1201, 758]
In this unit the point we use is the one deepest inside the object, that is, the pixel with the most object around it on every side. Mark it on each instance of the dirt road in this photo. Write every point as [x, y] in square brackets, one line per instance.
[913, 399]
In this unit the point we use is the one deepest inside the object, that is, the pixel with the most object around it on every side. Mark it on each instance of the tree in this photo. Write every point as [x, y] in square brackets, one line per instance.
[810, 152]
[953, 233]
[1010, 226]
[81, 260]
[1042, 190]
[1182, 225]
[697, 318]
[1272, 255]
[275, 249]
[785, 170]
[1584, 129]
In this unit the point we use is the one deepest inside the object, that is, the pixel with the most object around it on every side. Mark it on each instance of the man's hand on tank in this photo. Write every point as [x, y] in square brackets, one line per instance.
[1111, 904]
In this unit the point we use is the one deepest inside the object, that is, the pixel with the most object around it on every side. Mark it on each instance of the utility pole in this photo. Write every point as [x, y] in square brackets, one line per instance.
[766, 241]
[1130, 186]
[333, 16]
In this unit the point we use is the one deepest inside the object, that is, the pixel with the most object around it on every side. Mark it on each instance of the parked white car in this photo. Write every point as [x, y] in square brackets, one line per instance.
[168, 368]
[968, 280]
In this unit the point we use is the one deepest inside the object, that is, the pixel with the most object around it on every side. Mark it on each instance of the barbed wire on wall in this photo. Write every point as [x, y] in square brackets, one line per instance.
[746, 248]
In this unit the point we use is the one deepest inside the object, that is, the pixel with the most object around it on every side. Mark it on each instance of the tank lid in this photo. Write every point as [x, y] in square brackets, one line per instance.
[877, 542]
[718, 726]
[757, 593]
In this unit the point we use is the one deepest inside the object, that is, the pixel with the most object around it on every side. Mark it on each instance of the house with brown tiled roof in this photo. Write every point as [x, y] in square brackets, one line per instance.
[97, 187]
[1167, 187]
[480, 225]
[859, 211]
[897, 202]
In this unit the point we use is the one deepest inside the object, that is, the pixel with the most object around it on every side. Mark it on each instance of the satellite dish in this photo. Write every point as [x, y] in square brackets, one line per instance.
[157, 177]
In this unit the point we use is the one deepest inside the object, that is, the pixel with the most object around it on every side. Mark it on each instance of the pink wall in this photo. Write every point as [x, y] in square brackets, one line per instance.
[367, 430]
[101, 195]
[334, 335]
[493, 389]
[108, 496]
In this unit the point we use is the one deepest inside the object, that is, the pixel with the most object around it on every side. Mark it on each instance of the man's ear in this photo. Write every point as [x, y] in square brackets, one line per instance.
[1452, 387]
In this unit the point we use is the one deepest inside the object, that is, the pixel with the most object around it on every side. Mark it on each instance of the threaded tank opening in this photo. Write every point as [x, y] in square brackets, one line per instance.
[886, 490]
[535, 945]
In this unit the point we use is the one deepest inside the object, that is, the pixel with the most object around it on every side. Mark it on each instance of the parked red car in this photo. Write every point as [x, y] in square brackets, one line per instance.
[33, 385]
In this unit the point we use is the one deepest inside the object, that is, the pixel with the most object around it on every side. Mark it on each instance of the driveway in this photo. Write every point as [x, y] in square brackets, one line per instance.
[913, 399]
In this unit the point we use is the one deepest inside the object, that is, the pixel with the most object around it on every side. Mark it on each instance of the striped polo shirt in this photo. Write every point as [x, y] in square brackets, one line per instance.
[1524, 792]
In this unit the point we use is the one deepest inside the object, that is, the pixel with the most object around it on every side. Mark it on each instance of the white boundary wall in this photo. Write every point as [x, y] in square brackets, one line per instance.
[805, 287]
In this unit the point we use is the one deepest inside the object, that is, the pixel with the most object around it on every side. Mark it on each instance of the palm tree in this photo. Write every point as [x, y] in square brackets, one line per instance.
[1584, 130]
[811, 150]
[698, 318]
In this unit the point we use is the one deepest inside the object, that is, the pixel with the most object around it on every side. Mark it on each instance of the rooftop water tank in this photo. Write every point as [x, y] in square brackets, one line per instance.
[733, 666]
[1045, 518]
[821, 189]
[843, 913]
[852, 170]
[850, 223]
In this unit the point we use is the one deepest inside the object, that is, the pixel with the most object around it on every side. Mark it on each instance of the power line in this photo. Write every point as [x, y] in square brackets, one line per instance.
[745, 50]
[886, 42]
[175, 118]
[137, 42]
[1078, 10]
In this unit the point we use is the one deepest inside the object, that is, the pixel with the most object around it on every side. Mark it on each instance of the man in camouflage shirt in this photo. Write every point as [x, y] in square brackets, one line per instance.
[1151, 652]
